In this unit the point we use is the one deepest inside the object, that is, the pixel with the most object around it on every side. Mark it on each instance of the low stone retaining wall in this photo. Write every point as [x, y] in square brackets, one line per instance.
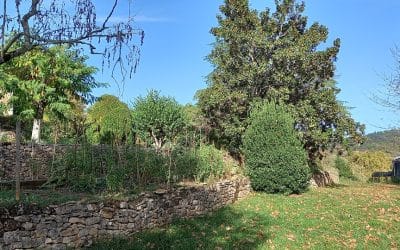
[32, 167]
[77, 224]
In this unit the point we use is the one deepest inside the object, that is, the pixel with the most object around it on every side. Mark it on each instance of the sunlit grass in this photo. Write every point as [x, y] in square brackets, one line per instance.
[359, 216]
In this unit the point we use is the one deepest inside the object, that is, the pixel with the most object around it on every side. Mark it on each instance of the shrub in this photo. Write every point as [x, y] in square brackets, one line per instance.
[109, 121]
[275, 159]
[344, 168]
[364, 163]
[98, 168]
[184, 163]
[210, 165]
[146, 166]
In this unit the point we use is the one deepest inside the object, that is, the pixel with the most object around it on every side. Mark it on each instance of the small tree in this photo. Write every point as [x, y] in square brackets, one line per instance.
[51, 80]
[157, 119]
[275, 159]
[109, 121]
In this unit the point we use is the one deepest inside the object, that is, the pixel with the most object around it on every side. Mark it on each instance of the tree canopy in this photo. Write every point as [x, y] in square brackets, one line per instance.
[157, 119]
[109, 121]
[48, 80]
[274, 56]
[38, 23]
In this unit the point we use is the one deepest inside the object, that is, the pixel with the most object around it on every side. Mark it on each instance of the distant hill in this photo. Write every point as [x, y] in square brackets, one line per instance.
[387, 141]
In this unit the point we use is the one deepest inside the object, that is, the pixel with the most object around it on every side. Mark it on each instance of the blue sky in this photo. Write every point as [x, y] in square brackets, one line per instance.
[178, 40]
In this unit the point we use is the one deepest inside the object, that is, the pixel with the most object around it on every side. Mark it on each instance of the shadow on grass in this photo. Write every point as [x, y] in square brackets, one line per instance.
[226, 228]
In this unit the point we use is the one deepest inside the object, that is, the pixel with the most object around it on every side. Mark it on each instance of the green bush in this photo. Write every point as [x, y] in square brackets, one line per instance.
[343, 167]
[275, 159]
[109, 121]
[210, 165]
[87, 168]
[364, 163]
[184, 162]
[104, 168]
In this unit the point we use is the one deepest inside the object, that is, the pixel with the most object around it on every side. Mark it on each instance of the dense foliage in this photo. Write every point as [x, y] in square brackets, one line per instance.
[275, 158]
[38, 88]
[210, 164]
[343, 167]
[157, 119]
[364, 163]
[99, 168]
[109, 121]
[274, 56]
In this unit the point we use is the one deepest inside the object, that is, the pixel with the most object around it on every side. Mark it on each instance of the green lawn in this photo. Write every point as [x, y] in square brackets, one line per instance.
[41, 198]
[347, 217]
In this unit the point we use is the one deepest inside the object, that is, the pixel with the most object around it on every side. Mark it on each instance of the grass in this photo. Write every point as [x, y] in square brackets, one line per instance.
[355, 216]
[40, 198]
[48, 196]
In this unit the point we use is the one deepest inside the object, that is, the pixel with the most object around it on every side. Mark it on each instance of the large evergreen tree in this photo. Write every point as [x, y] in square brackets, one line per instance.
[274, 56]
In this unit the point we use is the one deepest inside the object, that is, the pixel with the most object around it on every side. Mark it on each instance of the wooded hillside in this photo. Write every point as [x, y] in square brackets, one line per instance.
[387, 141]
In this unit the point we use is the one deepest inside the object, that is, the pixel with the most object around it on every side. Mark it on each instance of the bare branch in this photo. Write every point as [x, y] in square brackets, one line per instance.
[54, 22]
[25, 21]
[110, 14]
[390, 97]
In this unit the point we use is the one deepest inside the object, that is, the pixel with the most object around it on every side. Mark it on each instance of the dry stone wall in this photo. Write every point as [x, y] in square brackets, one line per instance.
[78, 224]
[33, 166]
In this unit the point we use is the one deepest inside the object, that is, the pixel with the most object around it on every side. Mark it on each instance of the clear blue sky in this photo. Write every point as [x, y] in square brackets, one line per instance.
[178, 40]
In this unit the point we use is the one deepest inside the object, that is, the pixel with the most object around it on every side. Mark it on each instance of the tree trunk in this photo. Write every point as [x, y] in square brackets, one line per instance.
[158, 143]
[18, 161]
[37, 124]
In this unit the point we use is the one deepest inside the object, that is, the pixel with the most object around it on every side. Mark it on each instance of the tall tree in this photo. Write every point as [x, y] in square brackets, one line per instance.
[274, 56]
[38, 23]
[50, 79]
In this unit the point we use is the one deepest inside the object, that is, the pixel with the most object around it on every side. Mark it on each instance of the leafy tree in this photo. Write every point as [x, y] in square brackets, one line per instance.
[19, 102]
[51, 80]
[274, 56]
[68, 127]
[157, 119]
[38, 23]
[275, 159]
[109, 121]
